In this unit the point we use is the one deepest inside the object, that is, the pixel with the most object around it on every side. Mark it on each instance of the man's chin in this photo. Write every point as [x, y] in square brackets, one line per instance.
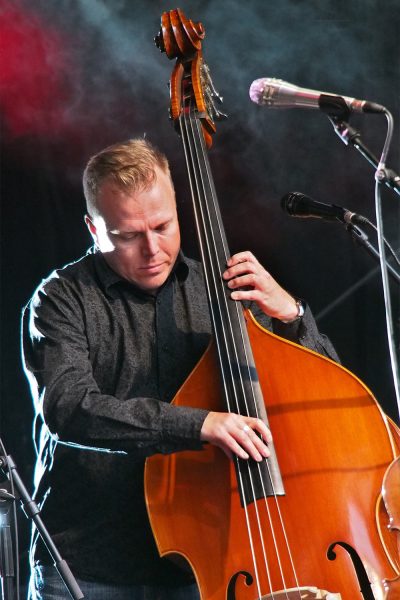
[150, 283]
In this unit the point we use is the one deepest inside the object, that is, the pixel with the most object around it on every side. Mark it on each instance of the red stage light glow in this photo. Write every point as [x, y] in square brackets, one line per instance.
[36, 68]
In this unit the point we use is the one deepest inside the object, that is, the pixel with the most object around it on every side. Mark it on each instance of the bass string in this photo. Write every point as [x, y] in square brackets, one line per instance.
[240, 321]
[196, 185]
[194, 182]
[219, 285]
[198, 178]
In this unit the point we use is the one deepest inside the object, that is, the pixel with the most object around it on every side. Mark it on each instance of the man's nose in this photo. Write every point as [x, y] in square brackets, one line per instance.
[150, 244]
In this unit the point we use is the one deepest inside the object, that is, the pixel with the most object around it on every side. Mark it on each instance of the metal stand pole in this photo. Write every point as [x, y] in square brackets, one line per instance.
[32, 512]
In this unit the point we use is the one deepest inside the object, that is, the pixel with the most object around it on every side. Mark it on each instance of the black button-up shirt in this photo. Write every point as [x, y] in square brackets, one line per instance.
[104, 360]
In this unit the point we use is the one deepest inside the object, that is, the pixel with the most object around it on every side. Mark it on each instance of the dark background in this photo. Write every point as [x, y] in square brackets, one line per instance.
[77, 75]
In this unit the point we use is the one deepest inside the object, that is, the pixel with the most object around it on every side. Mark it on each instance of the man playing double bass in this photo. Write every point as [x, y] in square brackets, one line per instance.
[107, 342]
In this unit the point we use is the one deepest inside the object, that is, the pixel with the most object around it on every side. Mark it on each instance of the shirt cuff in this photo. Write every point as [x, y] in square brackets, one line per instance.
[181, 423]
[290, 331]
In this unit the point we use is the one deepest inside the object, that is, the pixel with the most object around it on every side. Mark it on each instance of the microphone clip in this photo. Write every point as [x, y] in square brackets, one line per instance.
[344, 130]
[335, 107]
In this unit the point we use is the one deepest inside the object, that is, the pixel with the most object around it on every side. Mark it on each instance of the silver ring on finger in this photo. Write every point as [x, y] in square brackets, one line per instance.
[246, 428]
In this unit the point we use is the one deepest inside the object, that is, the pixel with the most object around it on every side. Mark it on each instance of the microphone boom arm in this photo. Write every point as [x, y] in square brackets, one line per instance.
[362, 238]
[350, 135]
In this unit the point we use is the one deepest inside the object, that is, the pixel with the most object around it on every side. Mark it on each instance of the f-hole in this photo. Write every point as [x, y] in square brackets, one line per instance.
[231, 593]
[365, 584]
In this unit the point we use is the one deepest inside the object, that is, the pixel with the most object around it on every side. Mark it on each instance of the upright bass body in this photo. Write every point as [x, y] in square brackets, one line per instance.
[334, 446]
[309, 521]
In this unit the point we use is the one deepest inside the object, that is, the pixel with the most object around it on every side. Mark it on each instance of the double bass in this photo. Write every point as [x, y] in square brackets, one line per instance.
[314, 520]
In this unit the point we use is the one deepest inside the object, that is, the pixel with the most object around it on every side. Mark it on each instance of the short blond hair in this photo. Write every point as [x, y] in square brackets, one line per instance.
[130, 165]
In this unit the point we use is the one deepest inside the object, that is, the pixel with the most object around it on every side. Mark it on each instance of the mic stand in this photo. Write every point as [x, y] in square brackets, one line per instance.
[7, 571]
[382, 175]
[361, 238]
[350, 135]
[32, 512]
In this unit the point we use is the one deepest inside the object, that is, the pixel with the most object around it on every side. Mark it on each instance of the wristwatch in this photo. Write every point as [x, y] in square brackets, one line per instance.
[300, 311]
[300, 308]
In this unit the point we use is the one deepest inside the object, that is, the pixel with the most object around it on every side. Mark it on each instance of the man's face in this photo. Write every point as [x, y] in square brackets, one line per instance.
[138, 232]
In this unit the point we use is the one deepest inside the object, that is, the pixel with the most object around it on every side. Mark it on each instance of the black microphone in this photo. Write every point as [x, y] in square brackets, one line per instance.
[297, 204]
[275, 93]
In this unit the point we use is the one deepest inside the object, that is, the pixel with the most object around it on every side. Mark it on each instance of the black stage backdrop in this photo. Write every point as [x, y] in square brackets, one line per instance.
[80, 74]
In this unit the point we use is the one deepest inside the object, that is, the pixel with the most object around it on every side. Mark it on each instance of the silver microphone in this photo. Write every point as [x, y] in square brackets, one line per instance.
[275, 93]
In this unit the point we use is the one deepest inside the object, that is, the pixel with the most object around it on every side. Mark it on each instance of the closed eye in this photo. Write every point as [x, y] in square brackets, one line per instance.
[163, 227]
[123, 237]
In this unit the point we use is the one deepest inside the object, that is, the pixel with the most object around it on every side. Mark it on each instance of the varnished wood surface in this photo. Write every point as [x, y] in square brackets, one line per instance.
[334, 446]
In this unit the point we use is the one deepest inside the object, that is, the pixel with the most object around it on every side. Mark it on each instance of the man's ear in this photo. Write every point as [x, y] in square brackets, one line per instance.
[92, 227]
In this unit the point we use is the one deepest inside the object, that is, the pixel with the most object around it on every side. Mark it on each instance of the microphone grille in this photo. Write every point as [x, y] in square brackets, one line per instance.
[290, 201]
[256, 91]
[262, 91]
